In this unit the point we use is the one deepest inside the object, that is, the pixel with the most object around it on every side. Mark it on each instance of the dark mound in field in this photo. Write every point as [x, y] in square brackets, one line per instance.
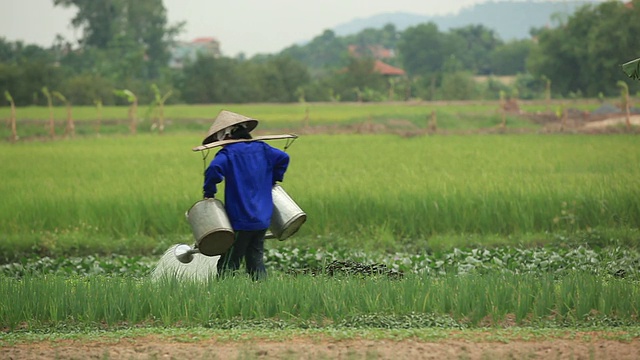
[351, 268]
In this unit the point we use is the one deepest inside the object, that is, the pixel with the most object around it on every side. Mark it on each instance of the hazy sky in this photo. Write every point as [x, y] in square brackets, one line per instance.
[249, 26]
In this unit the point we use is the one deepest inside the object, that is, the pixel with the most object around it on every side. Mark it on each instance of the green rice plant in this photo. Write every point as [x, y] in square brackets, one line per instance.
[472, 299]
[379, 191]
[544, 305]
[452, 116]
[524, 301]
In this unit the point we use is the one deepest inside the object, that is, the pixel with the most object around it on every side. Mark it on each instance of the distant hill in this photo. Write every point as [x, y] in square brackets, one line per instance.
[509, 19]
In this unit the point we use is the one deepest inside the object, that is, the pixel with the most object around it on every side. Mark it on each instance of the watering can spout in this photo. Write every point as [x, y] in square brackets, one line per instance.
[184, 253]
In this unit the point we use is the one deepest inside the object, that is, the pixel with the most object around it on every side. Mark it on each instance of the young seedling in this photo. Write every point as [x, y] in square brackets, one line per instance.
[14, 133]
[159, 102]
[71, 128]
[133, 100]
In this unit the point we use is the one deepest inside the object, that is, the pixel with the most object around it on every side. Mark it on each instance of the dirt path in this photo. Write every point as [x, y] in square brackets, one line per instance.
[617, 121]
[151, 347]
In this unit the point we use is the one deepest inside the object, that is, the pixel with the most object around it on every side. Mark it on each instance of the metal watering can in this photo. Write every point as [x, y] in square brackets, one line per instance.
[213, 233]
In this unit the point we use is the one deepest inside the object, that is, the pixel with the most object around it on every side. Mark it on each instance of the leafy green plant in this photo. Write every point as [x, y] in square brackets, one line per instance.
[158, 102]
[133, 108]
[451, 301]
[632, 69]
[70, 128]
[609, 262]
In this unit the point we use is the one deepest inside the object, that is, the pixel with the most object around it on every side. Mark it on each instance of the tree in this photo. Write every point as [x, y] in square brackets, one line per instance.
[510, 58]
[18, 53]
[138, 26]
[96, 19]
[323, 52]
[457, 83]
[23, 76]
[205, 80]
[83, 89]
[358, 79]
[579, 56]
[423, 50]
[281, 77]
[530, 87]
[478, 42]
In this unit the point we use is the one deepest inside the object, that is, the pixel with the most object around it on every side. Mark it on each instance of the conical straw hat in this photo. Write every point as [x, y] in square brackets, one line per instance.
[224, 120]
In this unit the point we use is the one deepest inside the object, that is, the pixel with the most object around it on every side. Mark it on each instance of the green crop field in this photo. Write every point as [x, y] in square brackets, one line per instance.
[522, 228]
[374, 190]
[283, 113]
[450, 301]
[451, 116]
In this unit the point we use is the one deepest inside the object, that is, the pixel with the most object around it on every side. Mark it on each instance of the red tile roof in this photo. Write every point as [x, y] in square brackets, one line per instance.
[204, 40]
[386, 69]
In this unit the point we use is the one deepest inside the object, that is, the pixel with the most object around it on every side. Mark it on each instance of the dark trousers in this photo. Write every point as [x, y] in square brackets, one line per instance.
[249, 245]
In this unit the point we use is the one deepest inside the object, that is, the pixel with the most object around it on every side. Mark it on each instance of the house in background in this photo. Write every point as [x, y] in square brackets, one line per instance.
[183, 52]
[387, 70]
[378, 53]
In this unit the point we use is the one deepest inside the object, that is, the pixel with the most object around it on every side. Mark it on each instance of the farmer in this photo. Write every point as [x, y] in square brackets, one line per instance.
[250, 169]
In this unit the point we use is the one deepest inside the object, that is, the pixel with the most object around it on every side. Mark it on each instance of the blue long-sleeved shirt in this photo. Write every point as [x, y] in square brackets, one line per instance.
[250, 169]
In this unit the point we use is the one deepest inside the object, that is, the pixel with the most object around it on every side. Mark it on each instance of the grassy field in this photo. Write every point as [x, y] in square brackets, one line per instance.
[530, 231]
[452, 116]
[318, 302]
[271, 113]
[128, 193]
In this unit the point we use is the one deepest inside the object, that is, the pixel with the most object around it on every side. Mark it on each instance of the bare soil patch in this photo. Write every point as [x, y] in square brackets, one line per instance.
[577, 121]
[613, 121]
[151, 347]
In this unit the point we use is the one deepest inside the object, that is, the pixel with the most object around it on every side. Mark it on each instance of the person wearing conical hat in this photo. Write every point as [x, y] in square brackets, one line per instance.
[249, 169]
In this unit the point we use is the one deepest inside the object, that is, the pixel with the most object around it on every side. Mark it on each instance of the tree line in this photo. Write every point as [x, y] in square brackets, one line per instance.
[125, 45]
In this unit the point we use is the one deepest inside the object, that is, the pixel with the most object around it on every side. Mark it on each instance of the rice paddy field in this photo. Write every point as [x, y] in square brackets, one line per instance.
[463, 244]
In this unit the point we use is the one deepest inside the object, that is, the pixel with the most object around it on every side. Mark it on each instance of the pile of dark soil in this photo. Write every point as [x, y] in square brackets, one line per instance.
[351, 268]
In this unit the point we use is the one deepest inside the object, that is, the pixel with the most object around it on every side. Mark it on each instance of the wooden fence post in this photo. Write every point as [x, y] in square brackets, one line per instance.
[47, 94]
[625, 99]
[133, 111]
[98, 103]
[14, 132]
[433, 123]
[70, 128]
[503, 110]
